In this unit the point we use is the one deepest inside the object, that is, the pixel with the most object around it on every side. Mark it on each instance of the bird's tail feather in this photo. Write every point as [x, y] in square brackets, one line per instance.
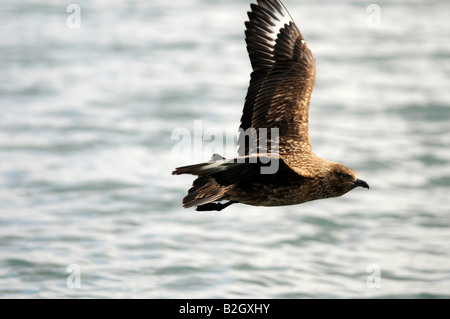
[203, 169]
[205, 189]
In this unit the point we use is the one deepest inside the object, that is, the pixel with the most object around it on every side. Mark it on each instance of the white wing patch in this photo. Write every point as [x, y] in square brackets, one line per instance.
[281, 19]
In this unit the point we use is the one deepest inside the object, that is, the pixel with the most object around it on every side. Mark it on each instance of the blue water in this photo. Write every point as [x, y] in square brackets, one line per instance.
[86, 152]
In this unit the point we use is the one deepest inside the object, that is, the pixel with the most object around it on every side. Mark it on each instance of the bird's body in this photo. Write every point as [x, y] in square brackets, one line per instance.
[276, 165]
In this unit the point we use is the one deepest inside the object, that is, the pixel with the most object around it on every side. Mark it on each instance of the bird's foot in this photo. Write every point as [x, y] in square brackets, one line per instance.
[214, 206]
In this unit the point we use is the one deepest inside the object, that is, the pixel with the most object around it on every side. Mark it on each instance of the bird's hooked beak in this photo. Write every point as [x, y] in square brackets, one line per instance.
[360, 182]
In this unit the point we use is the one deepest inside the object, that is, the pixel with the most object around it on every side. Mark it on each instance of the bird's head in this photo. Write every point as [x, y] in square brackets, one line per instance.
[342, 179]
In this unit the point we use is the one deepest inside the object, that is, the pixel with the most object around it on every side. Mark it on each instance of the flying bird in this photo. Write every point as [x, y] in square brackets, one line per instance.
[275, 165]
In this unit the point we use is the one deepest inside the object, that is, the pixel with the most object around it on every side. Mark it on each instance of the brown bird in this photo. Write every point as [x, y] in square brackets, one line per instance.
[276, 165]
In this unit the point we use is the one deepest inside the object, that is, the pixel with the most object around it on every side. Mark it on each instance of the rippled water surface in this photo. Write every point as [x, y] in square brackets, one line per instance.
[86, 122]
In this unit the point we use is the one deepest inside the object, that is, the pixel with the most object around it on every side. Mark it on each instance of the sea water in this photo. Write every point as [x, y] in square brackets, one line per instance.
[90, 95]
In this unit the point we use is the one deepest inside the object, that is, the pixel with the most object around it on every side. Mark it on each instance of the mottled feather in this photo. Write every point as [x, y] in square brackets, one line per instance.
[282, 80]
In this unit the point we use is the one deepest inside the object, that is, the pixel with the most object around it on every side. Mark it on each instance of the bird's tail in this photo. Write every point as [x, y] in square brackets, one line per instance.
[205, 189]
[216, 178]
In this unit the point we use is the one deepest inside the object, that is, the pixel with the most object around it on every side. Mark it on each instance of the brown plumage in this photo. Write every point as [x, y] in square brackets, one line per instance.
[281, 85]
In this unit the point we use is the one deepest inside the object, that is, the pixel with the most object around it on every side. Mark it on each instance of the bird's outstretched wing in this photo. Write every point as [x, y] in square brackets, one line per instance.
[282, 80]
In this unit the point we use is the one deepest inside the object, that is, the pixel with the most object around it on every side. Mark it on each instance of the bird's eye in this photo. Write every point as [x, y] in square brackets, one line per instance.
[344, 175]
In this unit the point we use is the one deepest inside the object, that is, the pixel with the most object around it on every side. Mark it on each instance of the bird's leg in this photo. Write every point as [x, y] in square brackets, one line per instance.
[214, 206]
